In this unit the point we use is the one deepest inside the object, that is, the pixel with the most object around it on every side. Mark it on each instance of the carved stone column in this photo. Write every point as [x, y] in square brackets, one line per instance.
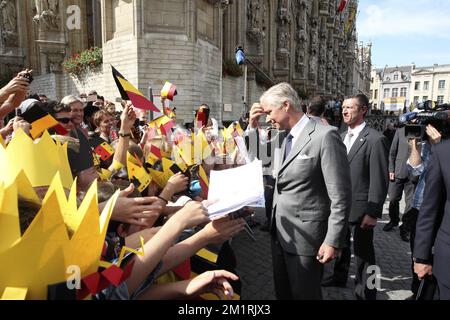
[314, 50]
[256, 11]
[301, 37]
[11, 30]
[9, 37]
[322, 53]
[283, 38]
[324, 7]
[48, 19]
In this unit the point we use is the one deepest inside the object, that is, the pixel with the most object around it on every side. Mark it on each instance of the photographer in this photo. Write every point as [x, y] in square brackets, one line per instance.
[418, 166]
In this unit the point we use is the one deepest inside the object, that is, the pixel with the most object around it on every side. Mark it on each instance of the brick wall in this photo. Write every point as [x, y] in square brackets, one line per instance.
[56, 86]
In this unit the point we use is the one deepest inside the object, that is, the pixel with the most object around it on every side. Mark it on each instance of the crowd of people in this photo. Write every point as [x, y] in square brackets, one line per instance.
[322, 188]
[160, 197]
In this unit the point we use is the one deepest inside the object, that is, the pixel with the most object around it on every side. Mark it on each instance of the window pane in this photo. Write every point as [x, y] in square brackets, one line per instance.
[395, 93]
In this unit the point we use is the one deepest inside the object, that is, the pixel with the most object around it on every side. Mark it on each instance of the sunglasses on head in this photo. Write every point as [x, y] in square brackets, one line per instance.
[64, 120]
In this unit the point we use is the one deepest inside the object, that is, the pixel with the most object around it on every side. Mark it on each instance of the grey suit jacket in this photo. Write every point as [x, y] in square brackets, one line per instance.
[398, 156]
[368, 161]
[313, 193]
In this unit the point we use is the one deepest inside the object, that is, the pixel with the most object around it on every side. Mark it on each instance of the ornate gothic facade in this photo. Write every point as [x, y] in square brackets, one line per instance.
[305, 42]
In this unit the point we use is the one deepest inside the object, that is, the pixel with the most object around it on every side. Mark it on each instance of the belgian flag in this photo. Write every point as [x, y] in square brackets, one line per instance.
[131, 93]
[102, 148]
[203, 179]
[202, 117]
[41, 120]
[169, 91]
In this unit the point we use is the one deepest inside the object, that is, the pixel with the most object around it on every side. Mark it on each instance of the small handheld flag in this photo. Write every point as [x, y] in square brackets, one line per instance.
[169, 91]
[130, 92]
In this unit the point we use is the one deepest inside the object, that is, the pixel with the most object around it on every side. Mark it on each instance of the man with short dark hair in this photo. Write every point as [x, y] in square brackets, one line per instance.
[316, 110]
[368, 158]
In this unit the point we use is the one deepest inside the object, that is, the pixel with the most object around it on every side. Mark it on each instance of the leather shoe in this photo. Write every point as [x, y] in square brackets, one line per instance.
[404, 234]
[333, 283]
[390, 226]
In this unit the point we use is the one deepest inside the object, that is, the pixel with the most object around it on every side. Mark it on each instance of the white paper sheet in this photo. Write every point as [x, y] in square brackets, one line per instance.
[233, 189]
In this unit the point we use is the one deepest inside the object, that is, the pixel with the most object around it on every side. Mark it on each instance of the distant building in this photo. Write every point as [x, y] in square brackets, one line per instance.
[431, 83]
[390, 88]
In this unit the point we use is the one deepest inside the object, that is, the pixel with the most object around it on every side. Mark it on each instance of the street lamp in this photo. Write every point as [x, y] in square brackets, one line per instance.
[241, 59]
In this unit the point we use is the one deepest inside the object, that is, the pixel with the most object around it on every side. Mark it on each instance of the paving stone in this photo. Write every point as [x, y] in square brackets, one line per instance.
[255, 264]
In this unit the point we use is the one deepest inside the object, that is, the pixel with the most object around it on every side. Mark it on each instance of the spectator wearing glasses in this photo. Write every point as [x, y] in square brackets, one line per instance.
[62, 113]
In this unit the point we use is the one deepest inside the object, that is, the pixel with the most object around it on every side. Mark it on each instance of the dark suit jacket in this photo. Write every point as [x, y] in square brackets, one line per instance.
[368, 160]
[433, 224]
[399, 154]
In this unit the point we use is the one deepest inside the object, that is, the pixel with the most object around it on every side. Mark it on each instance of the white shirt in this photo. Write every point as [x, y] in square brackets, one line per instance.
[297, 130]
[354, 133]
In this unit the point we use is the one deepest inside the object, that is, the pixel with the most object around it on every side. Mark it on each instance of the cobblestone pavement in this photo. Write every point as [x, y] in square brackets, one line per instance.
[255, 265]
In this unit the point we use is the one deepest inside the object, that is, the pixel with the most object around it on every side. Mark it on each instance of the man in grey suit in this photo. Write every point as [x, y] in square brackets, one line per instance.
[368, 158]
[312, 195]
[400, 180]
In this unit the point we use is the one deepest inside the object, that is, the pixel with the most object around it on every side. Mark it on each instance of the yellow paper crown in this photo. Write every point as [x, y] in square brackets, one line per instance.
[137, 173]
[40, 161]
[161, 177]
[42, 255]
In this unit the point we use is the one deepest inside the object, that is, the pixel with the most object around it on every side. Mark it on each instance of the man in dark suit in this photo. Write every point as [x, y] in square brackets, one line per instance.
[312, 195]
[368, 158]
[399, 181]
[433, 224]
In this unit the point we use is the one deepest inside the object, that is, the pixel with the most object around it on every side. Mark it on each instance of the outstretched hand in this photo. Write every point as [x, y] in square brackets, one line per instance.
[215, 282]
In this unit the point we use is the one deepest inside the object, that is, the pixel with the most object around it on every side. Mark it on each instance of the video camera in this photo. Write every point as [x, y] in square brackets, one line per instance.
[428, 113]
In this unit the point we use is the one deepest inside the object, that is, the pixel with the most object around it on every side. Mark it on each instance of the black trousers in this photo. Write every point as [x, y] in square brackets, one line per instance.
[295, 277]
[444, 292]
[365, 258]
[269, 189]
[429, 284]
[396, 189]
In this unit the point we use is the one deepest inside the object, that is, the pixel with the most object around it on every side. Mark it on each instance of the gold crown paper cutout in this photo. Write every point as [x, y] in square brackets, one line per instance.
[40, 161]
[42, 255]
[162, 176]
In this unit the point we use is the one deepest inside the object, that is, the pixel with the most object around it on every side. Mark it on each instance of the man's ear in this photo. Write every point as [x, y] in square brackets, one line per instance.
[286, 106]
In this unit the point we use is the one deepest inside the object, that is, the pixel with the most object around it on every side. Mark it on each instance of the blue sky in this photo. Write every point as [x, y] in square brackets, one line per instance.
[406, 31]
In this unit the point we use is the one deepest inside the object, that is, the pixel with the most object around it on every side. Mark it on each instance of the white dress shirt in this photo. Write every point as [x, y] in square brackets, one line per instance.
[352, 135]
[297, 130]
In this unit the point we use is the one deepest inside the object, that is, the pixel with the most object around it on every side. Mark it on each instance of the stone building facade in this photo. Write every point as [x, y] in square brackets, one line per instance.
[430, 83]
[391, 88]
[305, 42]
